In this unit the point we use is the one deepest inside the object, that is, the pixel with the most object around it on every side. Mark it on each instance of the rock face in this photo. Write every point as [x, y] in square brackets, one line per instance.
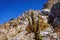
[18, 29]
[49, 4]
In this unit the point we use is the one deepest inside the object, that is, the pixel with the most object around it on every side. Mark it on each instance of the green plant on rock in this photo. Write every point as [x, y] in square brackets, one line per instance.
[34, 26]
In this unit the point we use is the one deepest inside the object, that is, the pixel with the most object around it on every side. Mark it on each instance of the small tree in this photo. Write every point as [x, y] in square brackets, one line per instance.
[34, 26]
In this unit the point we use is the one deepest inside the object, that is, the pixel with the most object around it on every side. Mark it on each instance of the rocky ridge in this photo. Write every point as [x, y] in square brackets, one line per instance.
[18, 29]
[25, 27]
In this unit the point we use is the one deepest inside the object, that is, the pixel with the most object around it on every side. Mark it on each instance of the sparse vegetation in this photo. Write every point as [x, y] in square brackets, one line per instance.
[34, 26]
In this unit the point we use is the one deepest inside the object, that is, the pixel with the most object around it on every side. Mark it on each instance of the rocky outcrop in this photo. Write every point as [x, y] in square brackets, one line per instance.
[32, 25]
[49, 4]
[18, 29]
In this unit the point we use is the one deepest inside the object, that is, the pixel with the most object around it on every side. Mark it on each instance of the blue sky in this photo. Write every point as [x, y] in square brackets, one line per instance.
[14, 8]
